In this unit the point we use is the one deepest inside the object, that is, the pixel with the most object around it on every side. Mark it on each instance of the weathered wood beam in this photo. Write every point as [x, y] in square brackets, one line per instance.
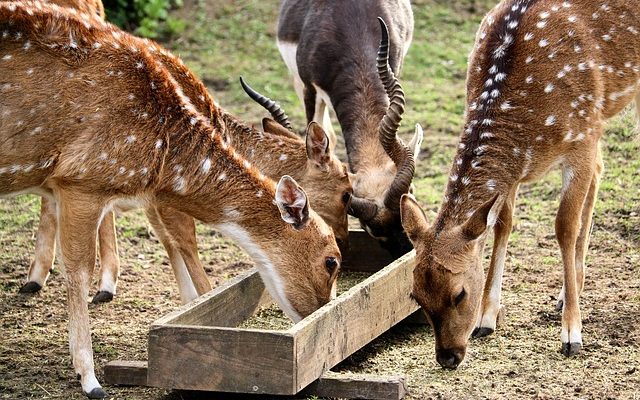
[331, 384]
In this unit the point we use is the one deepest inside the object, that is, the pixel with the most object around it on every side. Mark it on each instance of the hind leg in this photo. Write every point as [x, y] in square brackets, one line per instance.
[109, 260]
[582, 243]
[42, 263]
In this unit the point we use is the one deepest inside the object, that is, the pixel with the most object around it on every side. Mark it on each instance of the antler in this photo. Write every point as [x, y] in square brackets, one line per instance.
[274, 109]
[393, 146]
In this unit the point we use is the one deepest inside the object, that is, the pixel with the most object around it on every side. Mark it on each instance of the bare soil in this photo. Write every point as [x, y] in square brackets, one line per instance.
[522, 358]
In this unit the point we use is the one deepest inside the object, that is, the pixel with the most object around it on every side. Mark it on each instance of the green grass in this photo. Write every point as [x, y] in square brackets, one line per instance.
[237, 37]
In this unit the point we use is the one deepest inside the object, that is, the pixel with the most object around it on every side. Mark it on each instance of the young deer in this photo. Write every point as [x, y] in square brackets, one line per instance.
[544, 75]
[77, 151]
[310, 162]
[329, 48]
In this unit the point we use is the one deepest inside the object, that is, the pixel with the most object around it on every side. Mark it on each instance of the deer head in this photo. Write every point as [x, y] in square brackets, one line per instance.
[380, 214]
[324, 176]
[448, 278]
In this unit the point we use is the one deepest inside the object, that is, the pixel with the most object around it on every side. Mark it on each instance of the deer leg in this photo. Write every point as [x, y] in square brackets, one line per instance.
[42, 263]
[577, 178]
[109, 260]
[78, 218]
[585, 229]
[177, 234]
[182, 229]
[490, 308]
[322, 117]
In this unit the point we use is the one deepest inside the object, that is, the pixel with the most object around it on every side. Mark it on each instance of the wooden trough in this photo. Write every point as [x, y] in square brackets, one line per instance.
[199, 347]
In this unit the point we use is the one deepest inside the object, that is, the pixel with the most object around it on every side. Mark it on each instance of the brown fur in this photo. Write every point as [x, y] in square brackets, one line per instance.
[136, 138]
[568, 67]
[322, 175]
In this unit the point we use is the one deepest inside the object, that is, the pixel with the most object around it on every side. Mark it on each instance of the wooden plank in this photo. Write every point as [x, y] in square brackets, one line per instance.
[365, 253]
[331, 384]
[127, 373]
[358, 386]
[221, 359]
[354, 319]
[227, 305]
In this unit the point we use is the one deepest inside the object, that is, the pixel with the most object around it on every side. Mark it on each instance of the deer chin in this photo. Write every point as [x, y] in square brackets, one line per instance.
[270, 276]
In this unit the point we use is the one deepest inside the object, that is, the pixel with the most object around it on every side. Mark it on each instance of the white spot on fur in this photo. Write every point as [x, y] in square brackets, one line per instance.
[206, 165]
[486, 135]
[543, 43]
[551, 120]
[282, 157]
[491, 185]
[549, 88]
[529, 79]
[528, 36]
[222, 177]
[130, 139]
[528, 60]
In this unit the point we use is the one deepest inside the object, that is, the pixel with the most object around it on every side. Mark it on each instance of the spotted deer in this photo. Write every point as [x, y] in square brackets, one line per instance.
[42, 263]
[138, 140]
[543, 77]
[329, 47]
[310, 162]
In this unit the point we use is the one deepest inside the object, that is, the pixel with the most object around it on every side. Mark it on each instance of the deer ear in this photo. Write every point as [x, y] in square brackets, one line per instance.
[414, 222]
[274, 128]
[318, 146]
[292, 202]
[416, 142]
[485, 216]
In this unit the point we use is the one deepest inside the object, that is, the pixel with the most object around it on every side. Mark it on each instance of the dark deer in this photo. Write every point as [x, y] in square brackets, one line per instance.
[139, 140]
[330, 48]
[543, 78]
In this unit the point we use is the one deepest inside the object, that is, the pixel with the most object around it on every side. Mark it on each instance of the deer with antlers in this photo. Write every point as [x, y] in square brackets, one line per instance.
[543, 77]
[329, 48]
[76, 151]
[310, 162]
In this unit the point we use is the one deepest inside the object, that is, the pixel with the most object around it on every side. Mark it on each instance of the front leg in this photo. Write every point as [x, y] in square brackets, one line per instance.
[490, 308]
[78, 218]
[577, 180]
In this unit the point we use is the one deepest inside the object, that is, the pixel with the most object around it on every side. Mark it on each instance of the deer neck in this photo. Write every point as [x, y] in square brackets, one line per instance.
[360, 104]
[274, 155]
[206, 178]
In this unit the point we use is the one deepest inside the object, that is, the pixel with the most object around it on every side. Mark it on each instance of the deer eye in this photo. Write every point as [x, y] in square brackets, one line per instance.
[331, 263]
[346, 198]
[460, 296]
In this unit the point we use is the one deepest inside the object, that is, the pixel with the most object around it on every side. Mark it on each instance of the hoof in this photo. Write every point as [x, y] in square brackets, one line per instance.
[559, 305]
[30, 288]
[102, 297]
[571, 349]
[481, 332]
[97, 393]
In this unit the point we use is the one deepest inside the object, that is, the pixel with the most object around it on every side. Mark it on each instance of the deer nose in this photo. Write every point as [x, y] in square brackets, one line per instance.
[449, 358]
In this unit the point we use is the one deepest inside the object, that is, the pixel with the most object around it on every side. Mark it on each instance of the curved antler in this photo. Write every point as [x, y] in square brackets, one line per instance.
[274, 109]
[362, 209]
[393, 146]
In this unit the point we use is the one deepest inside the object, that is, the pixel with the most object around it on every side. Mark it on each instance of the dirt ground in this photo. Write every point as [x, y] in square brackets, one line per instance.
[522, 358]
